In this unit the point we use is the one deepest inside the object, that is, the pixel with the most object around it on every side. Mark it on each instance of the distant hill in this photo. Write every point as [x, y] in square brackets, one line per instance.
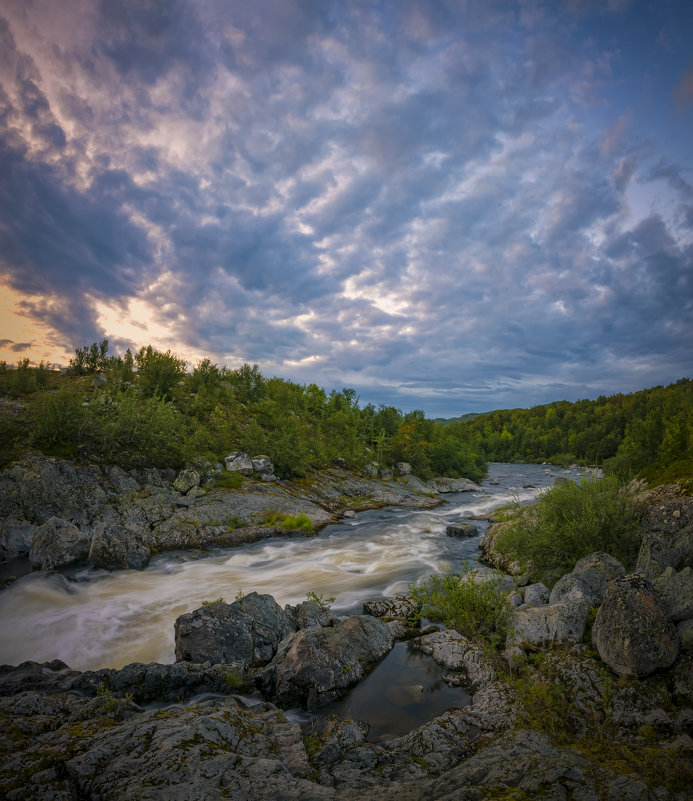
[446, 421]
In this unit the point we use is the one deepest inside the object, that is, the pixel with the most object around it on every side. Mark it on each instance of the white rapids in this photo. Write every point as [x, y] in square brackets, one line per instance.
[92, 619]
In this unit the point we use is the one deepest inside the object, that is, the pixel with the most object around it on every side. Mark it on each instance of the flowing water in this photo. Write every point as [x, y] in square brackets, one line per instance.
[92, 619]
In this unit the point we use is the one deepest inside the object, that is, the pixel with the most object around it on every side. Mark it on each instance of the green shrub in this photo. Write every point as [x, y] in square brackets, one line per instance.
[568, 522]
[137, 431]
[59, 421]
[478, 609]
[158, 373]
[215, 602]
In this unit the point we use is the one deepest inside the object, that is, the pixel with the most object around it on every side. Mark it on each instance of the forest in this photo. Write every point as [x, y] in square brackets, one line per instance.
[148, 408]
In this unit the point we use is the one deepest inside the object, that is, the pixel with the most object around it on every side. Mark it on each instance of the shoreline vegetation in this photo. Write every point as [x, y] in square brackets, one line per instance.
[579, 661]
[149, 409]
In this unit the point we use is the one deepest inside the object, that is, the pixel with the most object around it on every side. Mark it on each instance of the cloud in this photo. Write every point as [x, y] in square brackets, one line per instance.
[16, 347]
[437, 203]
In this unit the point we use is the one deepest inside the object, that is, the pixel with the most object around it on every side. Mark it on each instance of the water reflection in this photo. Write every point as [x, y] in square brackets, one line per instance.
[403, 691]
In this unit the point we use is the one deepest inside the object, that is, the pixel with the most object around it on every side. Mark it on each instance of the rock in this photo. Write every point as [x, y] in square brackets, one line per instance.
[121, 480]
[682, 689]
[340, 462]
[113, 547]
[349, 514]
[15, 538]
[247, 631]
[461, 530]
[308, 614]
[386, 473]
[570, 589]
[454, 485]
[675, 590]
[596, 570]
[667, 527]
[372, 470]
[268, 477]
[457, 653]
[399, 607]
[314, 666]
[491, 555]
[416, 485]
[99, 380]
[403, 468]
[186, 481]
[536, 594]
[548, 626]
[262, 464]
[58, 543]
[685, 632]
[239, 462]
[632, 632]
[442, 742]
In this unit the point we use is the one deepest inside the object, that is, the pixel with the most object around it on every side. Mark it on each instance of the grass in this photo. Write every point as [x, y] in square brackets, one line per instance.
[480, 610]
[286, 521]
[215, 602]
[568, 522]
[227, 480]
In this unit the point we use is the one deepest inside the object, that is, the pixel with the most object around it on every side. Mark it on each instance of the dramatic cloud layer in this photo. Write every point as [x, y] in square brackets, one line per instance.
[451, 205]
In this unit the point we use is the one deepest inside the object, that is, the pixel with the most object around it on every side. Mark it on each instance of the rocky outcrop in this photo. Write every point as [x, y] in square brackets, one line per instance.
[238, 462]
[588, 580]
[667, 530]
[114, 547]
[247, 631]
[492, 555]
[58, 543]
[446, 485]
[157, 510]
[632, 632]
[316, 665]
[675, 591]
[459, 655]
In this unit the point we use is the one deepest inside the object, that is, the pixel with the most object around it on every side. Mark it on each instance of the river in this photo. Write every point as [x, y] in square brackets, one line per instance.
[92, 619]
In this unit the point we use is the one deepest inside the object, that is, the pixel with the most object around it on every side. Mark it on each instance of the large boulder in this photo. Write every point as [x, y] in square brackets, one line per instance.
[675, 590]
[547, 626]
[115, 547]
[58, 543]
[632, 632]
[239, 462]
[589, 579]
[316, 665]
[454, 485]
[595, 571]
[247, 631]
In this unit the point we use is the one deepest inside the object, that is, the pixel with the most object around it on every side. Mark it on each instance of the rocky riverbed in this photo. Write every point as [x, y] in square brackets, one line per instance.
[560, 715]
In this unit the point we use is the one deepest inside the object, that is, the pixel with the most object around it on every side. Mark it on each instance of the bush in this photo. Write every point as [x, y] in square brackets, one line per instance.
[568, 522]
[158, 372]
[136, 431]
[476, 609]
[59, 422]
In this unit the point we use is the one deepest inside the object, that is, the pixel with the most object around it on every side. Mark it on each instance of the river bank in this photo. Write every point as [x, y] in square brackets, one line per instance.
[554, 719]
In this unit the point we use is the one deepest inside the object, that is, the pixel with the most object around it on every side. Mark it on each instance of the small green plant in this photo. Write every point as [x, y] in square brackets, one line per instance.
[478, 609]
[234, 523]
[240, 594]
[215, 602]
[111, 705]
[286, 521]
[233, 678]
[228, 480]
[318, 598]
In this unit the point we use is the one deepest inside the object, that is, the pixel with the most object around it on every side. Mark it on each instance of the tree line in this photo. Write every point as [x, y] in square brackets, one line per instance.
[147, 407]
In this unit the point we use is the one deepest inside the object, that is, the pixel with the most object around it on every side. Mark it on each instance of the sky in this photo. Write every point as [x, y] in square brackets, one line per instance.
[452, 205]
